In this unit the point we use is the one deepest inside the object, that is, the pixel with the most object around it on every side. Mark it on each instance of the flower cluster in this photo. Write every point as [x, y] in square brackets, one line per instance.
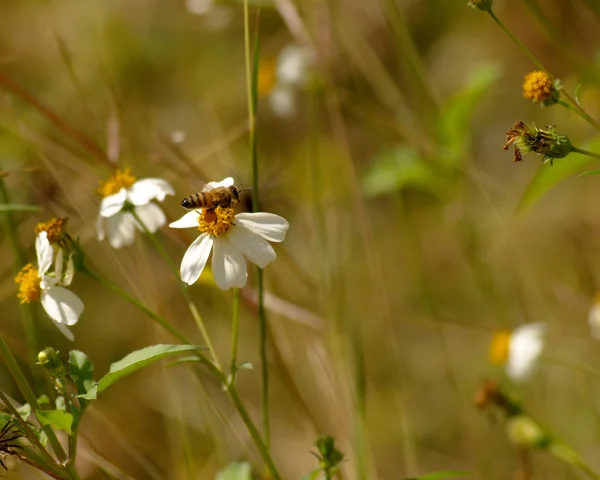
[530, 139]
[539, 87]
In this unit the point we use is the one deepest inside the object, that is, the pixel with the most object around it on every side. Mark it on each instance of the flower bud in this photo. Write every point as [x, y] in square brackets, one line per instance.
[539, 87]
[48, 358]
[524, 430]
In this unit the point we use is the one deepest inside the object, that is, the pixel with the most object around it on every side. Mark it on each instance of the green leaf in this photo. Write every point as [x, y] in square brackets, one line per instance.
[81, 371]
[396, 169]
[549, 176]
[18, 207]
[312, 475]
[453, 125]
[138, 359]
[58, 419]
[245, 366]
[444, 474]
[588, 173]
[24, 411]
[236, 471]
[179, 361]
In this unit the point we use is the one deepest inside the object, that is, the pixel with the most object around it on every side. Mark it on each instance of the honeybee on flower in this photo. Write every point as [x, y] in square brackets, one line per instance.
[230, 237]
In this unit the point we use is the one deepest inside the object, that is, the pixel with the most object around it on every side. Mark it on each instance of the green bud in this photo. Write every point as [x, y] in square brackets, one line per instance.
[524, 430]
[48, 358]
[485, 5]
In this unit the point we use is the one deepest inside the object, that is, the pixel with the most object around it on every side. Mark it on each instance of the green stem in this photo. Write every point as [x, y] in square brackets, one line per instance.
[184, 288]
[135, 302]
[235, 330]
[577, 109]
[585, 152]
[26, 310]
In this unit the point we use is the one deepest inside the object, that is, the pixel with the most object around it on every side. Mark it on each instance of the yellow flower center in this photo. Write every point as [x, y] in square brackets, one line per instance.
[216, 222]
[55, 228]
[499, 347]
[267, 77]
[120, 179]
[537, 86]
[28, 280]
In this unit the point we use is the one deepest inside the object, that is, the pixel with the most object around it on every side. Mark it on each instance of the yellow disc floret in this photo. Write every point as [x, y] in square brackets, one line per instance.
[538, 86]
[267, 77]
[120, 179]
[55, 227]
[499, 347]
[28, 280]
[215, 222]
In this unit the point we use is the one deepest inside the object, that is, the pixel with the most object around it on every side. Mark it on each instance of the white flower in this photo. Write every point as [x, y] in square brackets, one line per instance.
[594, 318]
[232, 238]
[122, 195]
[61, 305]
[519, 350]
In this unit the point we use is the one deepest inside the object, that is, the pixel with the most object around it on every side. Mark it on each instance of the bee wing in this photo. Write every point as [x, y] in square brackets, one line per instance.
[227, 182]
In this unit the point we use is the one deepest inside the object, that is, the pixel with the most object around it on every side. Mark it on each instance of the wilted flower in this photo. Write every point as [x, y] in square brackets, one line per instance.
[539, 87]
[518, 350]
[485, 5]
[233, 237]
[122, 196]
[61, 305]
[530, 139]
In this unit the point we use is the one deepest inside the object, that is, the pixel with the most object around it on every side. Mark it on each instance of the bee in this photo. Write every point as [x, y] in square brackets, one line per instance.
[211, 198]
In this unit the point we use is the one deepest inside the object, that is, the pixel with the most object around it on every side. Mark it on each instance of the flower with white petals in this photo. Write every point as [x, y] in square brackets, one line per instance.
[231, 237]
[518, 350]
[122, 197]
[61, 305]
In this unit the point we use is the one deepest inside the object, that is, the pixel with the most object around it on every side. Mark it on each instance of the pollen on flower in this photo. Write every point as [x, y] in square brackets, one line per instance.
[29, 284]
[267, 77]
[216, 222]
[499, 347]
[55, 228]
[538, 86]
[120, 179]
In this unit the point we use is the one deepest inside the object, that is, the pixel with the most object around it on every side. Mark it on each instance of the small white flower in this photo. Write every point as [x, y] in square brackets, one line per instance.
[61, 305]
[293, 63]
[231, 237]
[519, 350]
[594, 318]
[122, 194]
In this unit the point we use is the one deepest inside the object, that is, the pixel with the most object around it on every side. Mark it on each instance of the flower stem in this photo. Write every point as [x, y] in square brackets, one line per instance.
[235, 330]
[135, 302]
[184, 288]
[26, 310]
[577, 109]
[585, 152]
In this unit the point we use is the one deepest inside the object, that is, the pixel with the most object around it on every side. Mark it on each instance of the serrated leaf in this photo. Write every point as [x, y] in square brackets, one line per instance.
[81, 371]
[444, 474]
[453, 125]
[236, 471]
[395, 169]
[18, 207]
[139, 359]
[245, 366]
[550, 175]
[57, 419]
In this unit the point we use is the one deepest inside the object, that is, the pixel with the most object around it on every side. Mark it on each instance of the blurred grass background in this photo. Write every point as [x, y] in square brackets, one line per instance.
[405, 249]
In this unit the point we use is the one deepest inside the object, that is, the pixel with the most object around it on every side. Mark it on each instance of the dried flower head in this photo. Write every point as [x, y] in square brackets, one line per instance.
[539, 87]
[530, 139]
[485, 5]
[8, 436]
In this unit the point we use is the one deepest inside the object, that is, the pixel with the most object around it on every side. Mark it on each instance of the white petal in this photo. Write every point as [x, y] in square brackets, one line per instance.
[228, 265]
[526, 345]
[113, 204]
[227, 182]
[100, 227]
[44, 252]
[62, 305]
[199, 7]
[268, 225]
[70, 273]
[151, 216]
[594, 321]
[142, 191]
[195, 258]
[189, 220]
[58, 264]
[64, 330]
[47, 282]
[252, 245]
[292, 64]
[120, 230]
[283, 101]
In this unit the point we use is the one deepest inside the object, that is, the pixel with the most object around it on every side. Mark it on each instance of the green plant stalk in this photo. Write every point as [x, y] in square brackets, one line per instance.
[251, 85]
[235, 331]
[577, 110]
[27, 314]
[585, 152]
[27, 392]
[135, 302]
[568, 455]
